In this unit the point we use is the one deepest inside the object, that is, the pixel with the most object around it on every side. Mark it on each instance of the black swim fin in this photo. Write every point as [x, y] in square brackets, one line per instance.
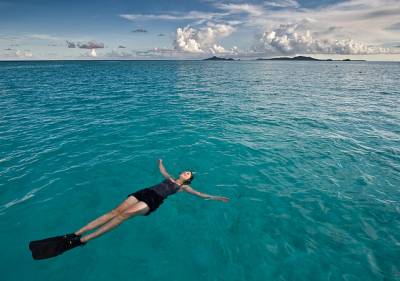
[54, 246]
[65, 236]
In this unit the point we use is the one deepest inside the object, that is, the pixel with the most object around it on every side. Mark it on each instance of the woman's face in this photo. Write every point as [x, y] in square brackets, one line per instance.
[185, 175]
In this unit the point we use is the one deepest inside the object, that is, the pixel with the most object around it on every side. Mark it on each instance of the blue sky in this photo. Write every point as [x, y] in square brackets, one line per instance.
[365, 29]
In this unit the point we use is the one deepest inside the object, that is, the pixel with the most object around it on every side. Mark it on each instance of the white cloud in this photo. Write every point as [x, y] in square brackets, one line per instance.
[186, 41]
[363, 21]
[283, 4]
[216, 49]
[171, 16]
[89, 54]
[232, 8]
[203, 39]
[23, 54]
[283, 26]
[294, 39]
[276, 26]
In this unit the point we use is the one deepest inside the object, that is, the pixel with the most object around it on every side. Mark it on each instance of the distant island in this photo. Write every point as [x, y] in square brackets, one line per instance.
[304, 58]
[297, 58]
[218, 58]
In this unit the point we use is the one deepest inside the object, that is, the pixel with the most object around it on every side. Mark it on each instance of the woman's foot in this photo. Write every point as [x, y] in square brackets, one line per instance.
[76, 241]
[71, 235]
[75, 235]
[84, 239]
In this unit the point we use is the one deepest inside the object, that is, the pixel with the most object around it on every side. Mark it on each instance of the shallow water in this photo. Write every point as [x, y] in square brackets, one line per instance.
[308, 152]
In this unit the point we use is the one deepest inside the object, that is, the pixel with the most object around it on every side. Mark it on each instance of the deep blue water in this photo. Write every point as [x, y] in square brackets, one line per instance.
[308, 152]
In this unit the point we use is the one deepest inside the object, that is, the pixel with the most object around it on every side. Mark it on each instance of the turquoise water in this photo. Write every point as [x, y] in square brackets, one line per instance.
[308, 152]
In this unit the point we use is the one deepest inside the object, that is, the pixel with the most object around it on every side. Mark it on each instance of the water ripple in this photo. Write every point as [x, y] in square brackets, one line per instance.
[309, 154]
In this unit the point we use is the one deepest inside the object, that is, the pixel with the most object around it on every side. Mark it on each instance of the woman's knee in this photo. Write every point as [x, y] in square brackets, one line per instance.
[115, 213]
[123, 216]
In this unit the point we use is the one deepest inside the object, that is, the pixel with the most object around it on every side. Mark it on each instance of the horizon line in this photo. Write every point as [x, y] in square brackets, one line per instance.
[237, 60]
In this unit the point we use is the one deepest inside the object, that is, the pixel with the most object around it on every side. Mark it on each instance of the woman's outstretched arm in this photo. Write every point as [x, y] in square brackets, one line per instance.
[189, 189]
[163, 171]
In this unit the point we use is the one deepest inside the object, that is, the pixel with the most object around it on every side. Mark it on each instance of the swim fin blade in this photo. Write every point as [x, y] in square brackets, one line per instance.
[53, 246]
[66, 236]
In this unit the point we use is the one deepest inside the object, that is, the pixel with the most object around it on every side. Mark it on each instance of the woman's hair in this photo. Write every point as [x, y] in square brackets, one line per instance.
[190, 179]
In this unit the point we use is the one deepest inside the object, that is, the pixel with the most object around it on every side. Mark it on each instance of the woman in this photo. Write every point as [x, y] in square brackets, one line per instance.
[141, 202]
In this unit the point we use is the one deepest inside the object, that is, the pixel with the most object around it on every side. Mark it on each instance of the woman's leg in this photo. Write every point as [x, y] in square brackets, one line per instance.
[139, 208]
[129, 202]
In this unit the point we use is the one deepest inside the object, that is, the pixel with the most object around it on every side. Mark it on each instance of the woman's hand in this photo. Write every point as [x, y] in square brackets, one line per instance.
[159, 161]
[220, 198]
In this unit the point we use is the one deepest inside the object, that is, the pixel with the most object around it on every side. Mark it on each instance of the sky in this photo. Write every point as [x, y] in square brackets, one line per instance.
[122, 29]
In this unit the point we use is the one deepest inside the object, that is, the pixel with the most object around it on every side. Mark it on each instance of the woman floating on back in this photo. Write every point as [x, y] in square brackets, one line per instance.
[142, 202]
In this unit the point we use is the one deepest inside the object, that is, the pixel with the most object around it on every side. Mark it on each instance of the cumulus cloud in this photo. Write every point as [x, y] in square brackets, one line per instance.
[215, 49]
[186, 41]
[294, 39]
[203, 39]
[90, 45]
[85, 45]
[23, 54]
[345, 27]
[89, 54]
[348, 27]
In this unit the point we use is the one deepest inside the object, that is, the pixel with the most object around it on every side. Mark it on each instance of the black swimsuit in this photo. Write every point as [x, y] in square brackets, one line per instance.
[154, 195]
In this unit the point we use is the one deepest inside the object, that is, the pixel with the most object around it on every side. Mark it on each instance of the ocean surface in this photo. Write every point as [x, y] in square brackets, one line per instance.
[307, 152]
